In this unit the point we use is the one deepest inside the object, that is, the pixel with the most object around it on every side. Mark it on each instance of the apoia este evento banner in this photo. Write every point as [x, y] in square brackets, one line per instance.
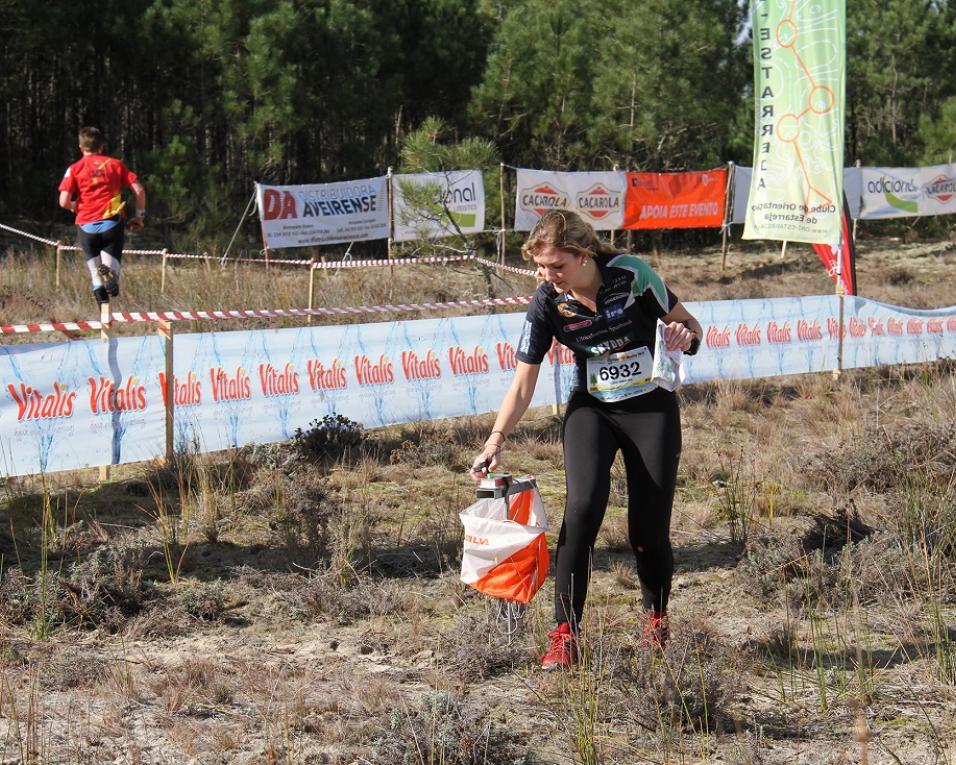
[76, 404]
[796, 192]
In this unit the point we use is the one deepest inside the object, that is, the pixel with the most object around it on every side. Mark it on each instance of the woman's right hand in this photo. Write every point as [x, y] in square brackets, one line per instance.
[486, 461]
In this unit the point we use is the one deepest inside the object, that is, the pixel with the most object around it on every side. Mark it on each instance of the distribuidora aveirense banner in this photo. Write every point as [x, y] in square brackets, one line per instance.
[796, 191]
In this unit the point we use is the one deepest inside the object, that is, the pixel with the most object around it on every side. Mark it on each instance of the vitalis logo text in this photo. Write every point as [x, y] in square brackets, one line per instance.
[34, 404]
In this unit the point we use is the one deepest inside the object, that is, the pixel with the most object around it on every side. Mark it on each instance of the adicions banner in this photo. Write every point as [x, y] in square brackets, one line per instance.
[433, 205]
[81, 403]
[598, 197]
[676, 200]
[327, 213]
[852, 188]
[71, 405]
[897, 192]
[796, 191]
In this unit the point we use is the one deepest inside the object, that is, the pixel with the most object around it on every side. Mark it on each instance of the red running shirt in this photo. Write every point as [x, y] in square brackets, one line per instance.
[97, 182]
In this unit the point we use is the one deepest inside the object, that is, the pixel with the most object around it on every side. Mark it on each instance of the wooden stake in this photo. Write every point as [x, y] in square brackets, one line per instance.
[267, 258]
[839, 367]
[59, 258]
[783, 250]
[501, 190]
[106, 324]
[614, 231]
[728, 213]
[391, 218]
[162, 278]
[312, 285]
[165, 331]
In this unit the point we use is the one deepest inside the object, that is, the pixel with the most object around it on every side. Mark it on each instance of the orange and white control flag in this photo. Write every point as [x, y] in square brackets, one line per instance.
[505, 552]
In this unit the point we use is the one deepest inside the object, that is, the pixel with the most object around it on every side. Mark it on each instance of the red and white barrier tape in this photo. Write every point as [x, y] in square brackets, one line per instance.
[275, 313]
[502, 267]
[332, 264]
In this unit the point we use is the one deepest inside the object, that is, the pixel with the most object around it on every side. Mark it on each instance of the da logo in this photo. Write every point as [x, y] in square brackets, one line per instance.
[598, 201]
[543, 197]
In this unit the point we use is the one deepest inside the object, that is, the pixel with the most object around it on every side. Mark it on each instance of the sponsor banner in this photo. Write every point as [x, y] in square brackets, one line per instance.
[676, 200]
[597, 197]
[746, 339]
[235, 388]
[852, 189]
[433, 205]
[796, 191]
[876, 334]
[82, 403]
[326, 213]
[897, 192]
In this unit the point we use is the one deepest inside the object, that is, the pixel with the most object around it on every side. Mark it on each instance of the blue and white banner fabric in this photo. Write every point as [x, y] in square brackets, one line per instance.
[82, 403]
[76, 404]
[261, 386]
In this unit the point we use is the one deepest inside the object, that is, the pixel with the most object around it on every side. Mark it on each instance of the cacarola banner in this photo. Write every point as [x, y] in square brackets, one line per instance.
[598, 197]
[84, 403]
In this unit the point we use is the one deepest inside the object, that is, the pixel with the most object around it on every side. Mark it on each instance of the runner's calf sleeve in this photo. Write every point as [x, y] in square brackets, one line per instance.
[113, 263]
[91, 265]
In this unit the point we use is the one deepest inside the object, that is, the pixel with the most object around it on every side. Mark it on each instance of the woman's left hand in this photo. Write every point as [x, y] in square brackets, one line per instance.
[677, 337]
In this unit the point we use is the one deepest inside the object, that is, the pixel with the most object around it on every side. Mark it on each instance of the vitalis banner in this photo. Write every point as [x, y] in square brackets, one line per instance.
[80, 403]
[326, 213]
[235, 388]
[598, 197]
[799, 86]
[432, 205]
[71, 405]
[896, 192]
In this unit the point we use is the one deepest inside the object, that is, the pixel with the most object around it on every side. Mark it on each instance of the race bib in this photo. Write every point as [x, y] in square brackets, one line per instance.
[617, 376]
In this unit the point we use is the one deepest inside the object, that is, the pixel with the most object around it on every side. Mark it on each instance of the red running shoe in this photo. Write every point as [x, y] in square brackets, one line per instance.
[563, 650]
[655, 629]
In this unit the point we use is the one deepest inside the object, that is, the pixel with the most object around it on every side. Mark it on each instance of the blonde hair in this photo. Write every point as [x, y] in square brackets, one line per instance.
[566, 230]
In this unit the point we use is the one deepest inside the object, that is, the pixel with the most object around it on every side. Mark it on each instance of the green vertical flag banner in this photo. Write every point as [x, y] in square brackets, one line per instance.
[796, 190]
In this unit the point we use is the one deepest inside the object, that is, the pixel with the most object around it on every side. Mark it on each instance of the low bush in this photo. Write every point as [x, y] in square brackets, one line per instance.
[443, 728]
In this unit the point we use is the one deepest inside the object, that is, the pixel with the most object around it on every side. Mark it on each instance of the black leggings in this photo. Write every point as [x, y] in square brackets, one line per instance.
[110, 241]
[647, 431]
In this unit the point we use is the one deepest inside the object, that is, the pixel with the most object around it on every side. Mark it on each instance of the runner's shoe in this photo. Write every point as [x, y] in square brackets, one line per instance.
[563, 650]
[655, 629]
[110, 280]
[100, 294]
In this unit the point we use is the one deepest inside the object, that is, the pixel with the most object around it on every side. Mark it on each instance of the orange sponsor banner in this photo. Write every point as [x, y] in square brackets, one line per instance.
[675, 200]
